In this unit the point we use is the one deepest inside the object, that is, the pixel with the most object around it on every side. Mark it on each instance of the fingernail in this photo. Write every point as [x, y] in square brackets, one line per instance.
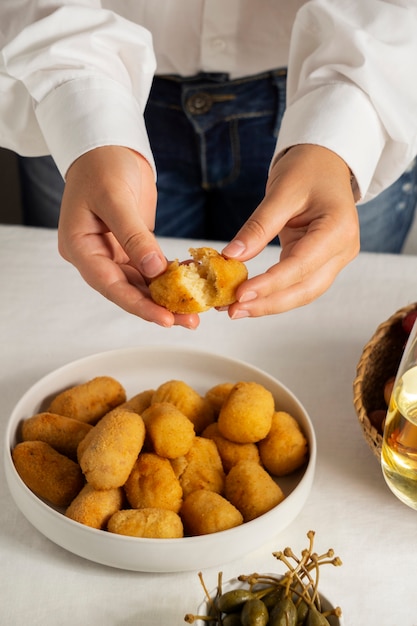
[237, 315]
[248, 296]
[234, 248]
[152, 265]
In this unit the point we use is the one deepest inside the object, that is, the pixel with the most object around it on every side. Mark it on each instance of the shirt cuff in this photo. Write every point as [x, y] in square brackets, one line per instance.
[87, 113]
[341, 118]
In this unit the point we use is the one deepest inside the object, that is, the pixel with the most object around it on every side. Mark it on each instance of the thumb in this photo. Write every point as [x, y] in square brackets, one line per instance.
[129, 211]
[258, 231]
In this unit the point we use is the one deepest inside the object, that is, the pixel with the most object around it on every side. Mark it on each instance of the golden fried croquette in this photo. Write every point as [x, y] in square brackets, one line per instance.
[139, 402]
[94, 507]
[83, 445]
[61, 432]
[169, 431]
[150, 522]
[200, 468]
[217, 395]
[198, 410]
[222, 274]
[246, 414]
[230, 451]
[49, 474]
[204, 512]
[208, 280]
[136, 404]
[112, 448]
[285, 448]
[252, 490]
[152, 484]
[89, 401]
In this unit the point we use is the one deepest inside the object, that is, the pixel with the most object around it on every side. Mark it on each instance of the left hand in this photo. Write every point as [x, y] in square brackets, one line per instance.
[309, 203]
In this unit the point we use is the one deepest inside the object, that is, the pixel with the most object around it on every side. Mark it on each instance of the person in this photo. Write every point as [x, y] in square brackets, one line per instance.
[76, 80]
[217, 212]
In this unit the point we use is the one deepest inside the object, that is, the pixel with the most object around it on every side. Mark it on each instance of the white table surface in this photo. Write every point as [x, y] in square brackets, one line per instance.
[49, 317]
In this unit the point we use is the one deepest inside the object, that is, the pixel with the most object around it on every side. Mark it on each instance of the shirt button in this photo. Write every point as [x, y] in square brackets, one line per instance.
[199, 103]
[218, 44]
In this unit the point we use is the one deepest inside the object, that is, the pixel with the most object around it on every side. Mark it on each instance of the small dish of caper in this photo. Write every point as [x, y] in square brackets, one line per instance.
[290, 599]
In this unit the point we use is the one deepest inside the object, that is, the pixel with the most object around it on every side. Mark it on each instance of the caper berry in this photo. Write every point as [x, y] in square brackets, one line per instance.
[231, 601]
[315, 618]
[254, 613]
[273, 597]
[302, 612]
[284, 613]
[231, 619]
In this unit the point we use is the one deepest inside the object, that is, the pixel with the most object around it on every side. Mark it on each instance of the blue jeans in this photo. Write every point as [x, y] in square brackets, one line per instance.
[213, 140]
[212, 170]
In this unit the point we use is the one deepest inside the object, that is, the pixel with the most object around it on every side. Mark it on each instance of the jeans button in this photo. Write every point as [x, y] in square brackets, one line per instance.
[199, 103]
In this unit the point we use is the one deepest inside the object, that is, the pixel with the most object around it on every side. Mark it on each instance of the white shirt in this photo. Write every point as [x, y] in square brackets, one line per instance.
[75, 75]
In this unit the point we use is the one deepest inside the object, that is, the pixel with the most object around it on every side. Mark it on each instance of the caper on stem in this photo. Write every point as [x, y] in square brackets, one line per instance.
[301, 580]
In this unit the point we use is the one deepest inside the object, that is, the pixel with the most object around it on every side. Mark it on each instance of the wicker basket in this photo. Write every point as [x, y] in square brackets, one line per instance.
[379, 361]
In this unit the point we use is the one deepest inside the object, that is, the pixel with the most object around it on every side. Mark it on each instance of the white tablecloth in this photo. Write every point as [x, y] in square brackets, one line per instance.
[49, 316]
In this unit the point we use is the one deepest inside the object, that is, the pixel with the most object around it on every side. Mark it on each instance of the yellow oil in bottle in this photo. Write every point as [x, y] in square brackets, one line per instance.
[399, 447]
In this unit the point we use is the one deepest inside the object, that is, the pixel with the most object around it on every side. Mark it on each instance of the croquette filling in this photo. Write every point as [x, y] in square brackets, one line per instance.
[196, 281]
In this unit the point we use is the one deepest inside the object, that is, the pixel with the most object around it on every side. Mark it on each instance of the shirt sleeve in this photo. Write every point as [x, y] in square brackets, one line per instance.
[351, 86]
[73, 79]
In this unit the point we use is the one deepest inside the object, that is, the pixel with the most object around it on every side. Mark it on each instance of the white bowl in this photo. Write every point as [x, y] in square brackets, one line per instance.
[234, 583]
[139, 369]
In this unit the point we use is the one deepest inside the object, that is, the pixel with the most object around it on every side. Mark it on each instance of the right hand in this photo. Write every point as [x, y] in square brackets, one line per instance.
[105, 230]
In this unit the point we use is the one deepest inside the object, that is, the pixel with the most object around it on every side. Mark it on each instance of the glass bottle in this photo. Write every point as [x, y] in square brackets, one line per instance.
[399, 445]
